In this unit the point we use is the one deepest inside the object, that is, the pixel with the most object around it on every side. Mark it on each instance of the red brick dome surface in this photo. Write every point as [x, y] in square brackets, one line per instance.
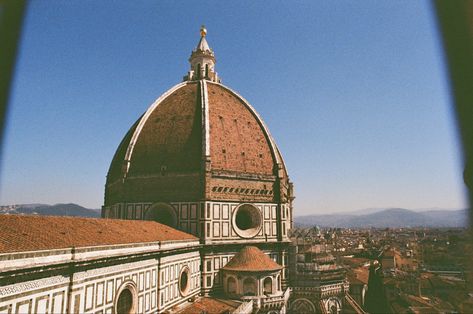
[171, 136]
[237, 141]
[193, 122]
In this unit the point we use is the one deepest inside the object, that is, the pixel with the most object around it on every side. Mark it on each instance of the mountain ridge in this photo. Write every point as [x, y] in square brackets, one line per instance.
[388, 217]
[60, 209]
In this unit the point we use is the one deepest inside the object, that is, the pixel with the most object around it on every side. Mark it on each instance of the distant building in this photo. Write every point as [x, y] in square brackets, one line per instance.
[319, 284]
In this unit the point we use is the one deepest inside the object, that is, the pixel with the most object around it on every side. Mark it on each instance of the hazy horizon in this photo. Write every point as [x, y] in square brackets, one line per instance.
[355, 94]
[341, 212]
[372, 210]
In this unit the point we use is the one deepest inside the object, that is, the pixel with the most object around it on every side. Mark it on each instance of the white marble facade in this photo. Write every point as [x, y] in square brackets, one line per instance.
[214, 221]
[154, 283]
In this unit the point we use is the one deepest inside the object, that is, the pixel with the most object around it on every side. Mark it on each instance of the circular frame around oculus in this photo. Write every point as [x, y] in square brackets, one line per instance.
[247, 220]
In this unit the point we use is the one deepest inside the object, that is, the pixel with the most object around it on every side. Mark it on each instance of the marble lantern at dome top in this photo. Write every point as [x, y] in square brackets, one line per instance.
[202, 61]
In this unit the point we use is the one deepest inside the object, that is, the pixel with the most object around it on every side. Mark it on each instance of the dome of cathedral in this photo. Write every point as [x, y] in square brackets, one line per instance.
[199, 139]
[251, 258]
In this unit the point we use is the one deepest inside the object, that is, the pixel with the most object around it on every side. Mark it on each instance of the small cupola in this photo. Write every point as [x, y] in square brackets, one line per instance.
[202, 61]
[251, 273]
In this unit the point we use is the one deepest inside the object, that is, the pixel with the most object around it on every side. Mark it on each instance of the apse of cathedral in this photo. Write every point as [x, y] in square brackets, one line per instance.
[197, 216]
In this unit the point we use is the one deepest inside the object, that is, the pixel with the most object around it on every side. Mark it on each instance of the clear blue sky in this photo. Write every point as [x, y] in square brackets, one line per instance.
[355, 94]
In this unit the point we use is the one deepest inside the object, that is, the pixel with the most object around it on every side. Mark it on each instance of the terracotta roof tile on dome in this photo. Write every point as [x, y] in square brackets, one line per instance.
[250, 258]
[20, 233]
[238, 141]
[170, 135]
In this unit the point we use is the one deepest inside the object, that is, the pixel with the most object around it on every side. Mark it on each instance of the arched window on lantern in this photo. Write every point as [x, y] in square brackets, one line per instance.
[249, 286]
[268, 285]
[197, 70]
[231, 285]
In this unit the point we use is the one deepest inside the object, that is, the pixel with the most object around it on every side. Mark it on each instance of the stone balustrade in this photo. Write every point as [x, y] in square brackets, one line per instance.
[244, 308]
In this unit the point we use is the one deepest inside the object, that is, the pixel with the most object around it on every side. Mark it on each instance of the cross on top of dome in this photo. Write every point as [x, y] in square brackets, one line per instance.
[202, 61]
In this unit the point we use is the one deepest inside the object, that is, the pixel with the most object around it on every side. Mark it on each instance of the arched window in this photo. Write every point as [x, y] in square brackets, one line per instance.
[333, 309]
[231, 285]
[279, 282]
[302, 306]
[162, 213]
[125, 301]
[197, 70]
[333, 306]
[268, 285]
[206, 71]
[249, 286]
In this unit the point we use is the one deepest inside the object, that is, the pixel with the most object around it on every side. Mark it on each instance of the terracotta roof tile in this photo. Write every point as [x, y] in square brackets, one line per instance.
[250, 258]
[210, 305]
[19, 233]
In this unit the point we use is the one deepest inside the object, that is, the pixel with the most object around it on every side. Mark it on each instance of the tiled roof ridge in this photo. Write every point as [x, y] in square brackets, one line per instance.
[22, 233]
[251, 258]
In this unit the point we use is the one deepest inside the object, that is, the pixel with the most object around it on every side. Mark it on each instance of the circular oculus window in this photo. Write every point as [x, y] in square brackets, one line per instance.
[184, 281]
[247, 220]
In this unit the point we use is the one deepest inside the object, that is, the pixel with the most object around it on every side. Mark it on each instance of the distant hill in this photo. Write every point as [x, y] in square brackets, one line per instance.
[388, 218]
[51, 210]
